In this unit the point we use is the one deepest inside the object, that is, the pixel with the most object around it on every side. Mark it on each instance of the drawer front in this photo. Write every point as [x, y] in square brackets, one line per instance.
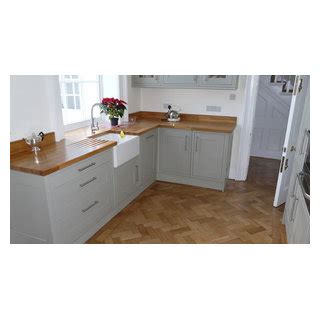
[75, 219]
[75, 189]
[74, 214]
[78, 169]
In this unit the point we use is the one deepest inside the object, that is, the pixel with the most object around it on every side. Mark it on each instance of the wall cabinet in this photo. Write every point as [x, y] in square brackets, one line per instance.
[64, 207]
[182, 80]
[148, 157]
[219, 81]
[195, 158]
[222, 82]
[145, 81]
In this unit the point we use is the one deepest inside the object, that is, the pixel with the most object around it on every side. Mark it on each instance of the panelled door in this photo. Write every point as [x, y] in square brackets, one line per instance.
[180, 79]
[208, 155]
[175, 151]
[291, 138]
[146, 80]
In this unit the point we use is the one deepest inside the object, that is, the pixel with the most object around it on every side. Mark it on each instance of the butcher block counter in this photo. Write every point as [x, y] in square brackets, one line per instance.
[81, 144]
[145, 121]
[54, 156]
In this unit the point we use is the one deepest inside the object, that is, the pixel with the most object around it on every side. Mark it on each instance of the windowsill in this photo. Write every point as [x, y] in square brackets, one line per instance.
[76, 125]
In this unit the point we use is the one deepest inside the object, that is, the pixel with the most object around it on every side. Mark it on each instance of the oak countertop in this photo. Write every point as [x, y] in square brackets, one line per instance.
[58, 155]
[81, 144]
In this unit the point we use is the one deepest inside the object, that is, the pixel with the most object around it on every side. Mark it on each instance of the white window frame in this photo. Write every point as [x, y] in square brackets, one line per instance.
[63, 80]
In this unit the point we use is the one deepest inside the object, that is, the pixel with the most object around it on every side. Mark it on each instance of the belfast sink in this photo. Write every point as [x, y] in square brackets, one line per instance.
[126, 149]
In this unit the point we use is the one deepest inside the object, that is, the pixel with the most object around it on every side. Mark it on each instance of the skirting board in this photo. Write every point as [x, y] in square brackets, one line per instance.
[217, 185]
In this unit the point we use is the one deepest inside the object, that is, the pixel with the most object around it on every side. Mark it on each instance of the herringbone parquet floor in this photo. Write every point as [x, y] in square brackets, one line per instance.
[174, 213]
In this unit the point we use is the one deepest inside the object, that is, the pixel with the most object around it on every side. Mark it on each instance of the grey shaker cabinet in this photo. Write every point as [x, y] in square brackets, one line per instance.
[175, 151]
[148, 157]
[127, 182]
[195, 158]
[180, 80]
[145, 81]
[66, 206]
[218, 82]
[298, 224]
[209, 157]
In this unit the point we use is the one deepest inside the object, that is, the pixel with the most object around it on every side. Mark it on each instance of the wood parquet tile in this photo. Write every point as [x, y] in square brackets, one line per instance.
[174, 213]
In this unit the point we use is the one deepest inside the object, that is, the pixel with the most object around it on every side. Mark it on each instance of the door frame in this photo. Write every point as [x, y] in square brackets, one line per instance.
[250, 102]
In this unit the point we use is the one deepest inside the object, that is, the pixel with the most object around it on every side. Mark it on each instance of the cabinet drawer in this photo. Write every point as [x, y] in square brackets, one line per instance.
[78, 169]
[75, 189]
[72, 219]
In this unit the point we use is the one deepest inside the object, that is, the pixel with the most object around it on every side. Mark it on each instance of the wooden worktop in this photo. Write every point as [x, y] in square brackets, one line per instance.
[55, 156]
[77, 146]
[146, 121]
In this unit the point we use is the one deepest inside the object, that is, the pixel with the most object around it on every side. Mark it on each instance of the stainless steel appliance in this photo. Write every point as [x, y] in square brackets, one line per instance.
[172, 115]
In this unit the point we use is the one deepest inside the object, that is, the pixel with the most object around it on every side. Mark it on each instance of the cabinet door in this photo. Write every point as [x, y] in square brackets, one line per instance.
[148, 157]
[175, 152]
[209, 158]
[126, 180]
[146, 81]
[300, 219]
[182, 80]
[219, 81]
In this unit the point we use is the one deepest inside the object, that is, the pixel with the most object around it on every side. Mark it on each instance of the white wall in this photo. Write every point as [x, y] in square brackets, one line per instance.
[195, 101]
[35, 105]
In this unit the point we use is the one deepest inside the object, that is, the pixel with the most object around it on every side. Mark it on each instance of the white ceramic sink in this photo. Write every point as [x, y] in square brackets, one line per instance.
[126, 149]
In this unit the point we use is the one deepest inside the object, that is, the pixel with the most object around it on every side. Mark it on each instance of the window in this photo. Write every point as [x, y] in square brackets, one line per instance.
[80, 92]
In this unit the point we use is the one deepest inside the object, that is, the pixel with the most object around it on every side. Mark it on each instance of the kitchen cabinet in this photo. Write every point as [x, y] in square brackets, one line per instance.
[208, 155]
[127, 182]
[195, 158]
[218, 82]
[145, 81]
[175, 151]
[66, 206]
[148, 157]
[180, 80]
[298, 226]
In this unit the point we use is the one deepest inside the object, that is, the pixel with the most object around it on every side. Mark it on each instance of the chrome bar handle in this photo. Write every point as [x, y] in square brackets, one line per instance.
[137, 173]
[87, 182]
[91, 205]
[186, 143]
[197, 142]
[305, 194]
[86, 167]
[293, 208]
[306, 135]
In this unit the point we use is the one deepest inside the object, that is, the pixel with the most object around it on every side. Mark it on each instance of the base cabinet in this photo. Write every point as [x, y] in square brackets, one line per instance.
[297, 217]
[208, 156]
[148, 157]
[65, 206]
[127, 181]
[195, 158]
[175, 151]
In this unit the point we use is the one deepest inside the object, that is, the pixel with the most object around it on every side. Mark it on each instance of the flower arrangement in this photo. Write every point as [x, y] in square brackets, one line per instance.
[114, 108]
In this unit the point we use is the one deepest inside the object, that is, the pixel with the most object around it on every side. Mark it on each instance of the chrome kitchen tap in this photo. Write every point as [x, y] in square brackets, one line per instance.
[94, 128]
